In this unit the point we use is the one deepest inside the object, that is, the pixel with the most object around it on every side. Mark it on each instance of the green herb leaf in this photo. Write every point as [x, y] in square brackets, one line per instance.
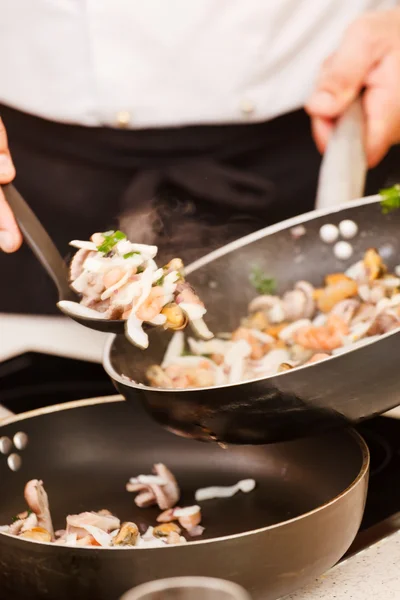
[186, 352]
[129, 254]
[159, 281]
[390, 198]
[110, 241]
[261, 282]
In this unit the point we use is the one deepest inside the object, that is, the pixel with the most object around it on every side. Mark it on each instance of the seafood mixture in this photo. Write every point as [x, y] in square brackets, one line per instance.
[305, 325]
[102, 528]
[118, 279]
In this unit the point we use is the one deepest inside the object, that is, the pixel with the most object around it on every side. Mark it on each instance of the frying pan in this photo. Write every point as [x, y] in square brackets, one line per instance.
[300, 519]
[345, 388]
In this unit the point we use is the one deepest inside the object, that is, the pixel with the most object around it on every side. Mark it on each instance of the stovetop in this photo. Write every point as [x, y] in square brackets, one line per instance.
[33, 380]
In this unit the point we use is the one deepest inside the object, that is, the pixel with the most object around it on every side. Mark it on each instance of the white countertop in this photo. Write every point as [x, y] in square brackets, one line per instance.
[50, 335]
[370, 575]
[373, 574]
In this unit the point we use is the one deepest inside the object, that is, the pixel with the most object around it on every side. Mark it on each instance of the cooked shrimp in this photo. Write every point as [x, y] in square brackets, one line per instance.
[325, 337]
[152, 306]
[112, 276]
[258, 349]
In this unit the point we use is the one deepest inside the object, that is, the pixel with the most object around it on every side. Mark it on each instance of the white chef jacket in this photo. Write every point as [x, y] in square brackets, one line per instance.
[152, 63]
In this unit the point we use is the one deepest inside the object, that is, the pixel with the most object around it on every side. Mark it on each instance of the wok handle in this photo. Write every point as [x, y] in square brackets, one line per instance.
[344, 165]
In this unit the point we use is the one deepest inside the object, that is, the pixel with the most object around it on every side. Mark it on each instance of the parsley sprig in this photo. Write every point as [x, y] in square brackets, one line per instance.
[390, 199]
[111, 239]
[261, 282]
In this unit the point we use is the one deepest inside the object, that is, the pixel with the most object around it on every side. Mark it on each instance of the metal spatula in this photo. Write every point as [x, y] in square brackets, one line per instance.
[344, 165]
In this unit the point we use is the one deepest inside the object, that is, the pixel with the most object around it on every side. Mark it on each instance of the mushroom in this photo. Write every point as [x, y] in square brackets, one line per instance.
[271, 305]
[299, 303]
[161, 489]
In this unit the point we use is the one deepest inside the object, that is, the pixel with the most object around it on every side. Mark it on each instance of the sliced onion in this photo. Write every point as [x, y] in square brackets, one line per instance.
[80, 283]
[83, 245]
[245, 485]
[103, 538]
[215, 346]
[262, 337]
[286, 334]
[174, 349]
[270, 363]
[187, 511]
[71, 539]
[109, 291]
[192, 310]
[359, 343]
[148, 480]
[200, 328]
[158, 320]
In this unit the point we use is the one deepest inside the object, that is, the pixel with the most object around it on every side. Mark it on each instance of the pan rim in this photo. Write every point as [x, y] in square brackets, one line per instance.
[281, 226]
[244, 241]
[361, 475]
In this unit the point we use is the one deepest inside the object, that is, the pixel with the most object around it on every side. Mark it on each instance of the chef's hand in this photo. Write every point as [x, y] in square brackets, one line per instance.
[10, 235]
[368, 57]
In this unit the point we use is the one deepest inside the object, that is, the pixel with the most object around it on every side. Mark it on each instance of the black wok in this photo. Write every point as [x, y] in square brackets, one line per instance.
[342, 389]
[298, 522]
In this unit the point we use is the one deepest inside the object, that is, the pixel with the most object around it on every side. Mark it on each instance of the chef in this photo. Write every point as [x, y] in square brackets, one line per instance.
[184, 123]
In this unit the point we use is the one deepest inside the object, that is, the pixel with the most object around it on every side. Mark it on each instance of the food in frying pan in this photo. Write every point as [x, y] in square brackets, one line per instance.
[102, 528]
[161, 488]
[118, 279]
[303, 326]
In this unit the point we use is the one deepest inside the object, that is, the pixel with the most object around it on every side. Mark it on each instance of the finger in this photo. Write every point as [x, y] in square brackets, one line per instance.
[321, 131]
[10, 235]
[343, 74]
[7, 170]
[382, 109]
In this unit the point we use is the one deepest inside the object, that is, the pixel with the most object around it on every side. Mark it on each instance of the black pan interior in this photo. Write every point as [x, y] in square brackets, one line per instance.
[86, 455]
[225, 287]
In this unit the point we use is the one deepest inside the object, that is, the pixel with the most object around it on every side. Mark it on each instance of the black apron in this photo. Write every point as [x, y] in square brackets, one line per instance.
[189, 190]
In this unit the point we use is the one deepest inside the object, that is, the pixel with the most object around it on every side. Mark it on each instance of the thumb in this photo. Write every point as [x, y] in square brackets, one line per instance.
[343, 74]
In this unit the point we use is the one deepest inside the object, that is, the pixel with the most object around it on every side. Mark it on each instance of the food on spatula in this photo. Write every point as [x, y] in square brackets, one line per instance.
[303, 326]
[120, 280]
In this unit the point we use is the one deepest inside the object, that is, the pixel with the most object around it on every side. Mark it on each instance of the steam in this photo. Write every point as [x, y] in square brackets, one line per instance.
[184, 229]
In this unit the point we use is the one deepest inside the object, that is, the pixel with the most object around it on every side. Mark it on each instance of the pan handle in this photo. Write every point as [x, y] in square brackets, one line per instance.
[344, 165]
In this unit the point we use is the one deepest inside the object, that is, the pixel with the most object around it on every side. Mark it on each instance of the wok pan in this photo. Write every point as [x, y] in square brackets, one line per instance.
[300, 519]
[345, 388]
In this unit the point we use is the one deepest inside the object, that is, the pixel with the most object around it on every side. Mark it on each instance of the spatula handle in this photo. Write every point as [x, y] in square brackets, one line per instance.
[344, 165]
[39, 241]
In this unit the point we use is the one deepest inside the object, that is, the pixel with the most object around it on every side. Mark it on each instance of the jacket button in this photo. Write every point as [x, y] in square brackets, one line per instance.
[247, 107]
[123, 119]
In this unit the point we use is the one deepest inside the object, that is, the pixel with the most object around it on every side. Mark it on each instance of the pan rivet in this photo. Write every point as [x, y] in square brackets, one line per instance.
[5, 445]
[14, 462]
[20, 440]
